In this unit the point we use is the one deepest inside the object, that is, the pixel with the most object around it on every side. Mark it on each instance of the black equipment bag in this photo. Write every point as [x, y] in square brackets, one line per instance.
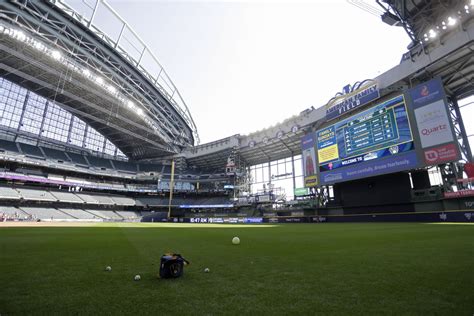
[172, 265]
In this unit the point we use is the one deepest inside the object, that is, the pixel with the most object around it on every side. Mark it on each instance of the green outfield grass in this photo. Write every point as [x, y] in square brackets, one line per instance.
[306, 269]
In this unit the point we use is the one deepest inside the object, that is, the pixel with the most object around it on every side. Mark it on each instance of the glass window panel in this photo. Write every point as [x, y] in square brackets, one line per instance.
[94, 140]
[77, 132]
[12, 98]
[33, 116]
[56, 123]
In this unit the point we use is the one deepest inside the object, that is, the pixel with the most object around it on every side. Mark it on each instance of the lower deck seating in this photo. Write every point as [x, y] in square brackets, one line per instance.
[12, 212]
[66, 197]
[87, 198]
[36, 195]
[8, 193]
[45, 213]
[127, 214]
[105, 214]
[123, 200]
[78, 213]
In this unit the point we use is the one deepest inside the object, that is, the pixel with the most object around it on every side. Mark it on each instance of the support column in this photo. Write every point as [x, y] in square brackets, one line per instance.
[294, 175]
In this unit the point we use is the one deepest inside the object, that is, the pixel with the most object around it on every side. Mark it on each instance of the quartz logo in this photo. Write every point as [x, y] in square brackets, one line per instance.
[433, 124]
[431, 130]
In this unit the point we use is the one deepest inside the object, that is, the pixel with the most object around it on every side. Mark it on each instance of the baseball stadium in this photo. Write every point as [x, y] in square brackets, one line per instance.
[110, 203]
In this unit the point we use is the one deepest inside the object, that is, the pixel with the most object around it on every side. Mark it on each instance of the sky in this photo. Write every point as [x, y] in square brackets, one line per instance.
[246, 65]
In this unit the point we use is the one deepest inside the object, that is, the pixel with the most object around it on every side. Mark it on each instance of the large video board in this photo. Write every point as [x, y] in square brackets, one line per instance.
[376, 141]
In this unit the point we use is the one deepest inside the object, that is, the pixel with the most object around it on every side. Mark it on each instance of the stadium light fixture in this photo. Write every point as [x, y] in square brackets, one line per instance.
[39, 46]
[99, 80]
[432, 33]
[139, 111]
[130, 104]
[111, 89]
[20, 36]
[56, 54]
[451, 21]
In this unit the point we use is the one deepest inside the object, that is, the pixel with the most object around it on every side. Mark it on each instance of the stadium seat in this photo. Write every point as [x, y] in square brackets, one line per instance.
[31, 151]
[125, 166]
[8, 193]
[55, 154]
[36, 195]
[78, 159]
[8, 146]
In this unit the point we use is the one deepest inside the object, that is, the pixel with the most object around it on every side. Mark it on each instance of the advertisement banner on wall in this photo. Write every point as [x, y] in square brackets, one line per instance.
[300, 191]
[434, 127]
[433, 124]
[309, 160]
[441, 154]
[427, 93]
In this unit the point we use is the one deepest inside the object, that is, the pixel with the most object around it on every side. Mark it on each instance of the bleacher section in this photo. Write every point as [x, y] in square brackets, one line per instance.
[152, 201]
[125, 166]
[8, 146]
[127, 214]
[55, 154]
[99, 162]
[93, 165]
[105, 214]
[123, 200]
[78, 159]
[78, 213]
[104, 200]
[31, 151]
[36, 195]
[32, 194]
[163, 201]
[87, 198]
[150, 167]
[66, 197]
[68, 214]
[45, 213]
[7, 193]
[11, 211]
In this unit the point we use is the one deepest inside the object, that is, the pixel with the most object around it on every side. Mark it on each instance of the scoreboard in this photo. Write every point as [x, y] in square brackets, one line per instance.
[377, 129]
[405, 132]
[376, 134]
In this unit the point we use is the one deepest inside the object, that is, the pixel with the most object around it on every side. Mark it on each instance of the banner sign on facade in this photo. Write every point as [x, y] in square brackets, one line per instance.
[309, 161]
[352, 98]
[434, 127]
[301, 191]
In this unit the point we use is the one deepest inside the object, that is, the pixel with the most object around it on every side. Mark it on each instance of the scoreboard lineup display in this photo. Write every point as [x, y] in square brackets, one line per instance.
[381, 131]
[377, 129]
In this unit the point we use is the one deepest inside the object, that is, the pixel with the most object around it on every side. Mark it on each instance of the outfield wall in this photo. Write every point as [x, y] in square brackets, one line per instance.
[459, 216]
